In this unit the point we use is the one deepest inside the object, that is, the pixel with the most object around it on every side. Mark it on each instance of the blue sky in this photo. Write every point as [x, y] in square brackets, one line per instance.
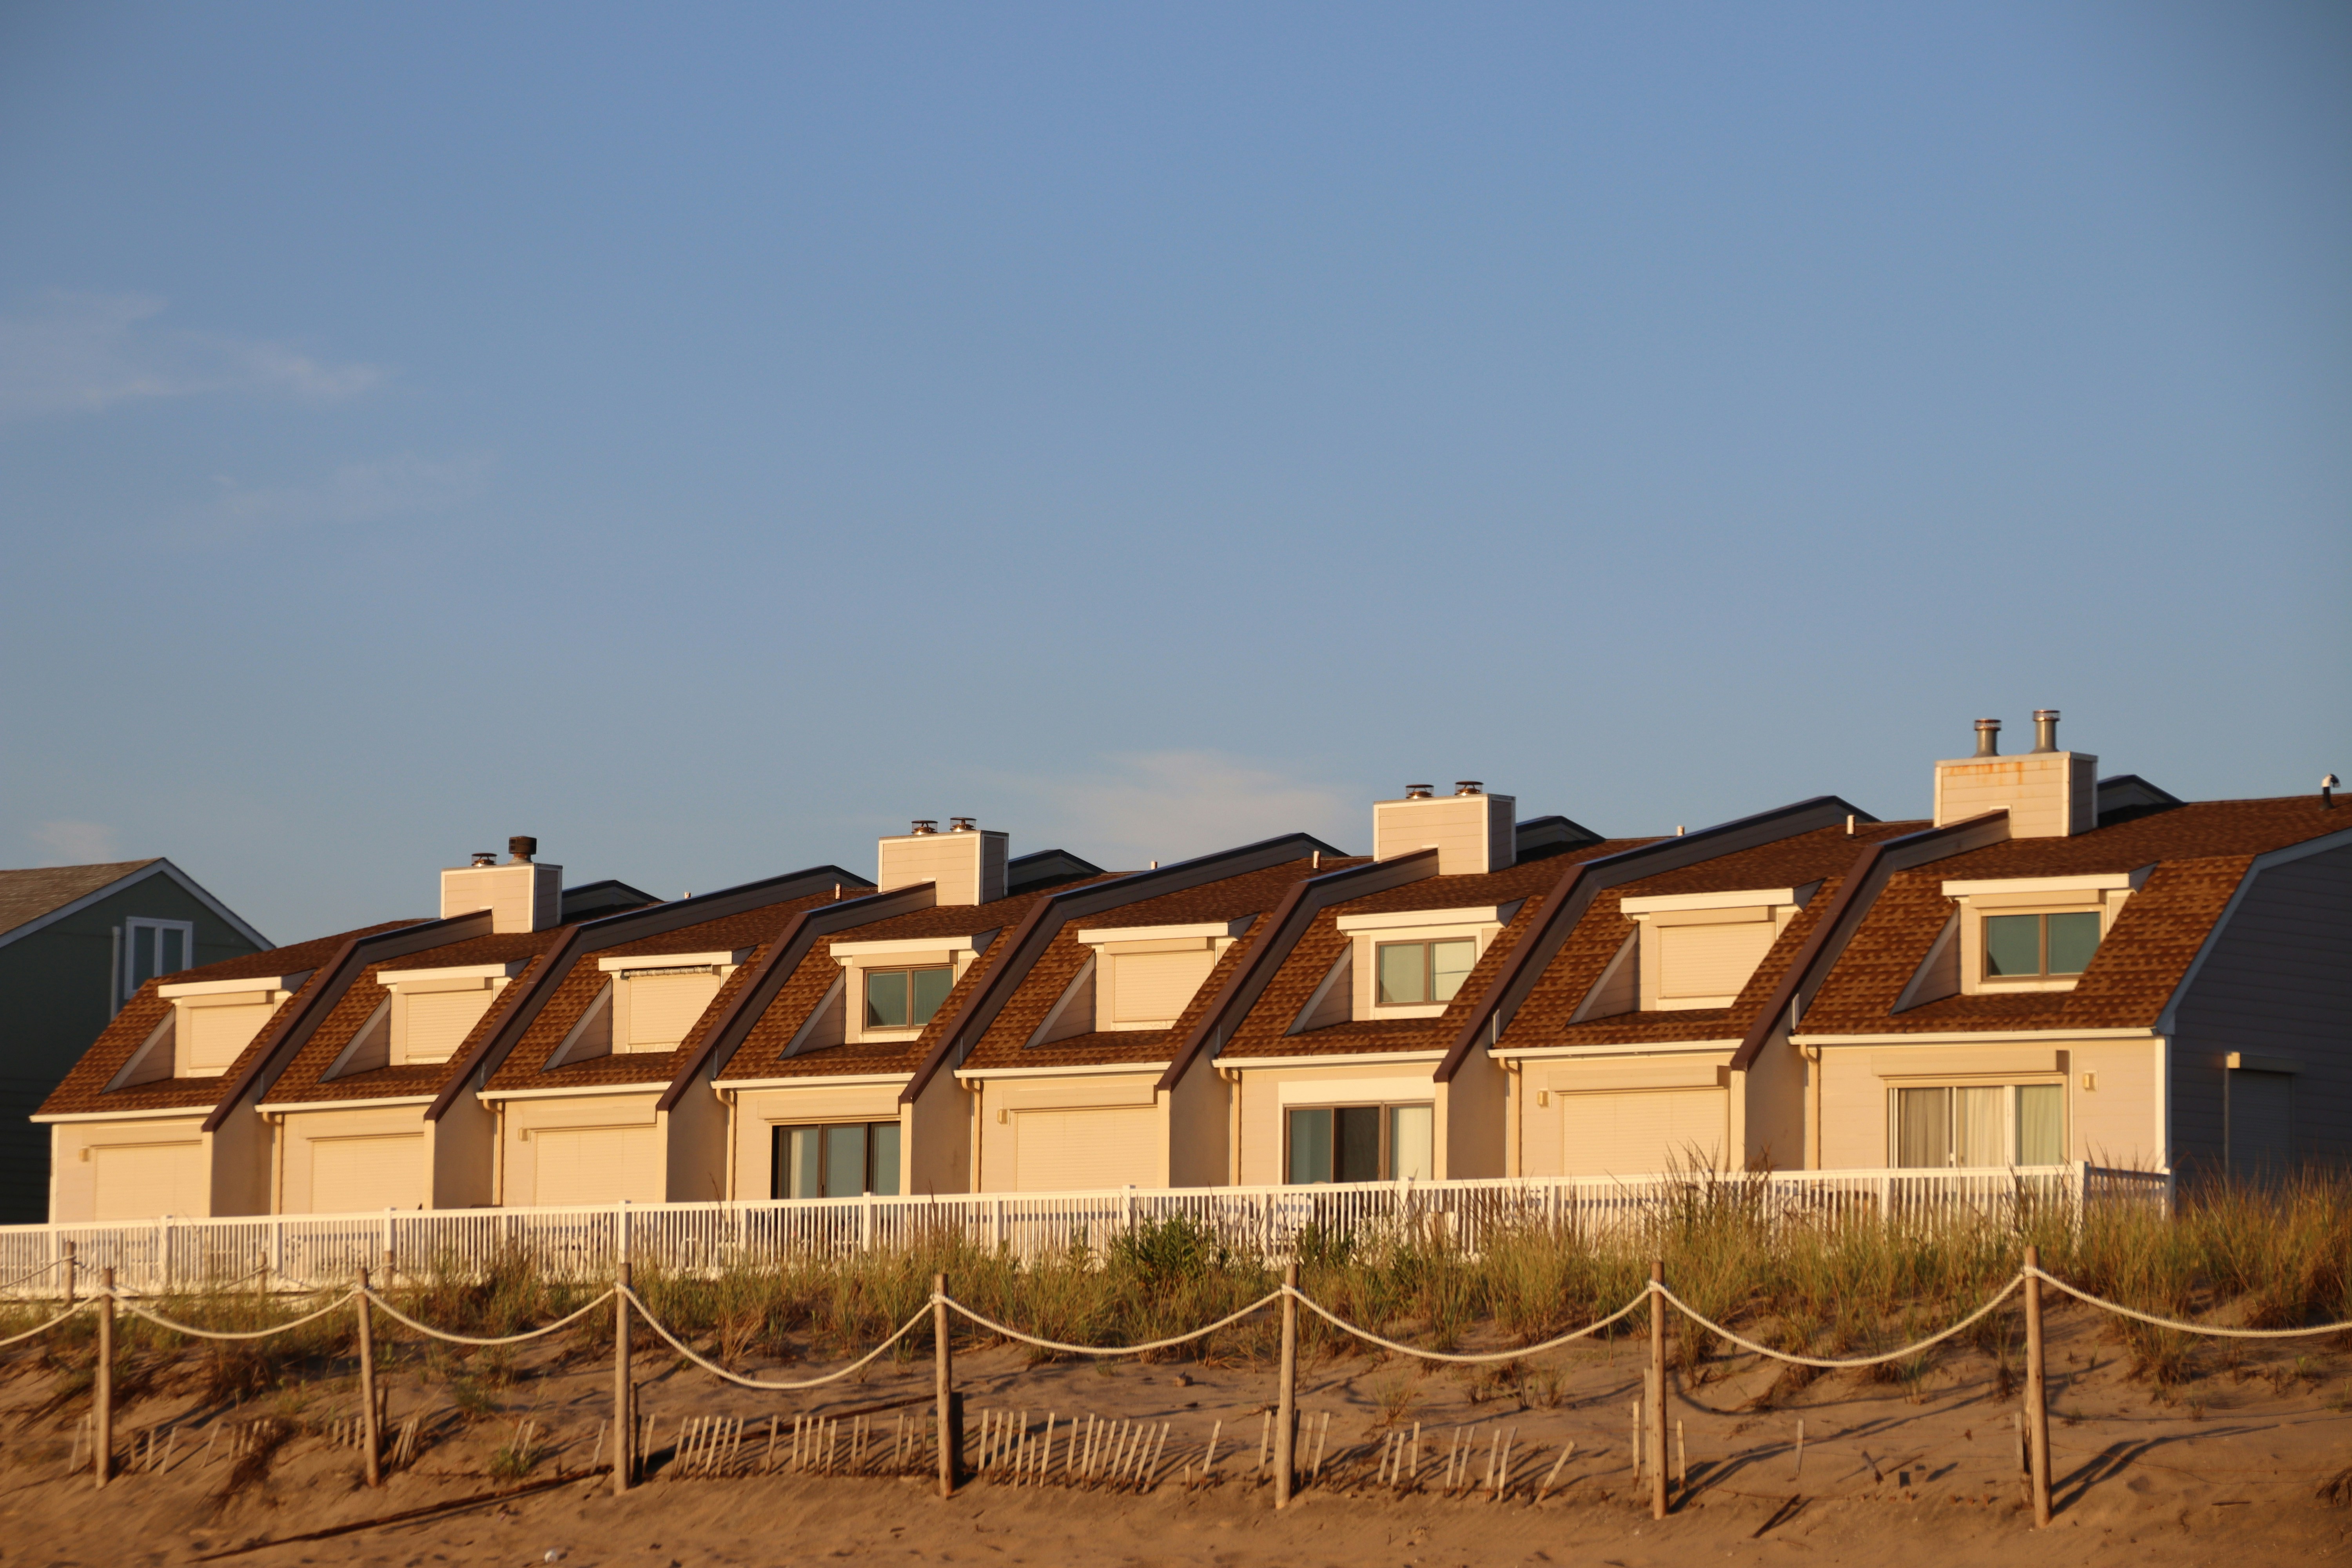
[706, 439]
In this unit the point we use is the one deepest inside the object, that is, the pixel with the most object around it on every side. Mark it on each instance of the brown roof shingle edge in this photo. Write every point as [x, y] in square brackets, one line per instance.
[1566, 903]
[284, 1033]
[723, 1035]
[1038, 927]
[1283, 926]
[1850, 906]
[490, 1049]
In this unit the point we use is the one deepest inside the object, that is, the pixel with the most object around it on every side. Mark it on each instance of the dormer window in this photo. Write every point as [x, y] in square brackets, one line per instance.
[906, 998]
[890, 987]
[208, 1027]
[1690, 951]
[1422, 971]
[2033, 946]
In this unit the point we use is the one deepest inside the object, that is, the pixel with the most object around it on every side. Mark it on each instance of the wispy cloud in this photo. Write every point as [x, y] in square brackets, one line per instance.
[405, 486]
[84, 353]
[1166, 806]
[76, 843]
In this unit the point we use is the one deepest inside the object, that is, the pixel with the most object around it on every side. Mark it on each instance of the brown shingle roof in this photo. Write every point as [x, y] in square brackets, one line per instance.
[1265, 1031]
[1004, 1044]
[304, 1078]
[525, 1067]
[84, 1089]
[1821, 855]
[2200, 852]
[29, 894]
[761, 1056]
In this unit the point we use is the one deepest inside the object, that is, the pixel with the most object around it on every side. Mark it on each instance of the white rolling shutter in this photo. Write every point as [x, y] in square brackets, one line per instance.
[663, 1008]
[215, 1036]
[1696, 961]
[1153, 987]
[1638, 1131]
[1068, 1150]
[354, 1175]
[439, 1021]
[599, 1164]
[143, 1180]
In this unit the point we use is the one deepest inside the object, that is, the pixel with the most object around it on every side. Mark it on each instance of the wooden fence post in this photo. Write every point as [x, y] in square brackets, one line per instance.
[2037, 1401]
[1657, 1412]
[371, 1436]
[70, 1275]
[1286, 1420]
[101, 1456]
[943, 1386]
[624, 1424]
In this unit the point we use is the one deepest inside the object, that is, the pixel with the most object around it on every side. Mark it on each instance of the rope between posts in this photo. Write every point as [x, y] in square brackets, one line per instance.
[158, 1319]
[1011, 1333]
[1371, 1338]
[398, 1316]
[35, 1273]
[1713, 1327]
[715, 1370]
[2175, 1323]
[45, 1328]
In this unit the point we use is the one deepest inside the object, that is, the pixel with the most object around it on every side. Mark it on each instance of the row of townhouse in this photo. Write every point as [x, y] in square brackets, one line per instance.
[2055, 968]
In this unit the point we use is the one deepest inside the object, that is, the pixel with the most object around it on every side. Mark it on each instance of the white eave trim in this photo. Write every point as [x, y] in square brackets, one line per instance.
[651, 1085]
[722, 960]
[156, 867]
[1976, 1037]
[281, 1108]
[2094, 882]
[976, 942]
[506, 971]
[817, 1080]
[1094, 935]
[195, 1113]
[1654, 1049]
[1090, 1070]
[1738, 898]
[288, 983]
[1392, 920]
[1351, 1060]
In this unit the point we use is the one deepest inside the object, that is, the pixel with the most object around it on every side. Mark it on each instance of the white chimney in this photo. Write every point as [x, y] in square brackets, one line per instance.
[521, 895]
[967, 862]
[1472, 831]
[2048, 794]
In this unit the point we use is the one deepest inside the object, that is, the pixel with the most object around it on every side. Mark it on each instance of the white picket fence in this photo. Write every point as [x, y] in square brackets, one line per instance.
[302, 1251]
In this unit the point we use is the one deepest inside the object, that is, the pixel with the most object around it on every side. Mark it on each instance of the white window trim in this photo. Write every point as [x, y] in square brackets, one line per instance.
[134, 924]
[2008, 1082]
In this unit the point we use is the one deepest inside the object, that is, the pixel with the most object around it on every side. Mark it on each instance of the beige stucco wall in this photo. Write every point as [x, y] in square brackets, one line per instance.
[526, 1118]
[759, 1111]
[465, 1151]
[935, 1141]
[302, 1131]
[73, 1175]
[1261, 1107]
[1200, 1122]
[2114, 1123]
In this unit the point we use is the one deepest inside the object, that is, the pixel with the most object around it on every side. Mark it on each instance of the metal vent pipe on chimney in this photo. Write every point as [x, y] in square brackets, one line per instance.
[1469, 787]
[485, 857]
[927, 825]
[2045, 729]
[520, 849]
[1419, 792]
[1987, 737]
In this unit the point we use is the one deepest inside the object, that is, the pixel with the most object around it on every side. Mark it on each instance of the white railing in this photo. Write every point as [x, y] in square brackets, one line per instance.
[297, 1251]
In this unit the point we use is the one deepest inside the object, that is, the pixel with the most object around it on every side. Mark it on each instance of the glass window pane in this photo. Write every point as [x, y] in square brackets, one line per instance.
[2041, 1124]
[931, 987]
[886, 999]
[1449, 966]
[1410, 1149]
[141, 941]
[1923, 1127]
[799, 1174]
[845, 1161]
[1357, 1135]
[1310, 1146]
[882, 1147]
[2012, 944]
[1403, 967]
[1979, 1126]
[2073, 938]
[175, 952]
